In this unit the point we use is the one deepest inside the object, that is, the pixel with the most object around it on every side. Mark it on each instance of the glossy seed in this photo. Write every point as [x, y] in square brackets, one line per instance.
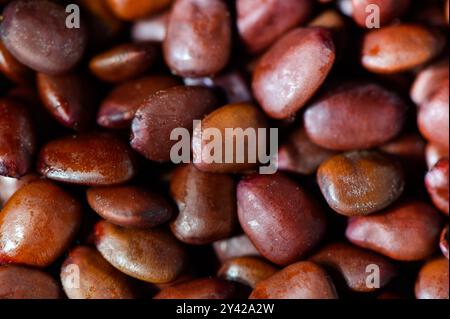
[152, 255]
[280, 218]
[355, 116]
[427, 82]
[124, 62]
[17, 138]
[34, 33]
[408, 231]
[248, 271]
[9, 185]
[302, 280]
[97, 278]
[119, 107]
[443, 243]
[289, 74]
[436, 182]
[352, 266]
[93, 159]
[37, 224]
[206, 204]
[432, 281]
[399, 48]
[198, 40]
[261, 23]
[434, 153]
[229, 117]
[13, 69]
[206, 288]
[153, 28]
[360, 183]
[17, 282]
[129, 206]
[164, 111]
[68, 98]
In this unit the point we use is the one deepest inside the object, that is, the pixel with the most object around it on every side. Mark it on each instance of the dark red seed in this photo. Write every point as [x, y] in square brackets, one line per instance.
[17, 138]
[129, 206]
[13, 69]
[408, 231]
[355, 116]
[36, 34]
[94, 159]
[427, 82]
[289, 74]
[17, 282]
[164, 111]
[119, 107]
[233, 247]
[279, 217]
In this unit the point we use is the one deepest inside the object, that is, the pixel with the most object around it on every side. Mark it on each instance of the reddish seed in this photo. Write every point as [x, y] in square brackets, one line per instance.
[280, 218]
[17, 138]
[97, 278]
[207, 288]
[93, 159]
[399, 48]
[432, 281]
[443, 243]
[206, 204]
[129, 206]
[136, 9]
[38, 224]
[302, 280]
[17, 282]
[427, 82]
[289, 74]
[13, 69]
[233, 247]
[408, 231]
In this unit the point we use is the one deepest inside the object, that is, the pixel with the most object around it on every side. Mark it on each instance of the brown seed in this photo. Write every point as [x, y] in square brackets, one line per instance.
[124, 62]
[136, 9]
[289, 74]
[433, 117]
[443, 243]
[164, 111]
[198, 40]
[120, 106]
[129, 206]
[387, 10]
[9, 185]
[436, 182]
[206, 203]
[37, 224]
[399, 48]
[302, 280]
[432, 281]
[427, 82]
[353, 265]
[206, 288]
[94, 159]
[355, 116]
[360, 183]
[17, 282]
[152, 255]
[97, 278]
[248, 271]
[13, 69]
[434, 153]
[408, 231]
[234, 247]
[279, 217]
[261, 23]
[300, 154]
[17, 139]
[153, 28]
[232, 116]
[68, 98]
